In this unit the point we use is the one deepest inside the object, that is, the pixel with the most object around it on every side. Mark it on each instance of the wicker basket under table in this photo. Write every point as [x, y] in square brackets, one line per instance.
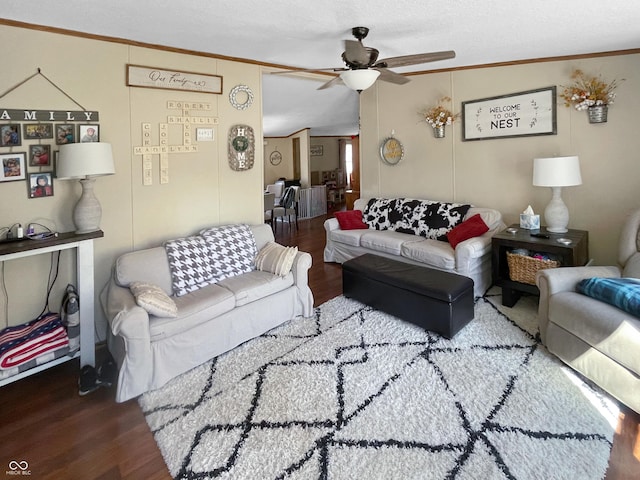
[523, 268]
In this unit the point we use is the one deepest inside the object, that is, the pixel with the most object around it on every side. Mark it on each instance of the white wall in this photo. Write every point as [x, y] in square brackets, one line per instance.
[498, 172]
[202, 190]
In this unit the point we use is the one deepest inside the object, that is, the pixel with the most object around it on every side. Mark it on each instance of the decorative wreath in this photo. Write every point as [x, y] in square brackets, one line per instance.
[234, 101]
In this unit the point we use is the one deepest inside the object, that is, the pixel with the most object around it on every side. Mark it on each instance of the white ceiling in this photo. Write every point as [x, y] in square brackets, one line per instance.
[311, 34]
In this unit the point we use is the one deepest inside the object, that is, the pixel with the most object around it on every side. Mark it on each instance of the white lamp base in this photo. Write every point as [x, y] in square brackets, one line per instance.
[556, 214]
[87, 212]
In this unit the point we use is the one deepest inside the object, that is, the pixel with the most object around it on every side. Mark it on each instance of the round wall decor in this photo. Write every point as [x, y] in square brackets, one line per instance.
[275, 158]
[391, 151]
[233, 97]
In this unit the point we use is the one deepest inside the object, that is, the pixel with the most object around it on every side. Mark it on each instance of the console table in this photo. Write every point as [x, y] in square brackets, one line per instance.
[572, 255]
[83, 243]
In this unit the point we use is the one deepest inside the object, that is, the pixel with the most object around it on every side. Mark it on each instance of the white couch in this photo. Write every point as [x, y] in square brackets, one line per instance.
[211, 320]
[471, 258]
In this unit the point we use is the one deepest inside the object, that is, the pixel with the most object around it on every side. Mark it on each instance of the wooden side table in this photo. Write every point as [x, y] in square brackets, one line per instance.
[83, 244]
[572, 255]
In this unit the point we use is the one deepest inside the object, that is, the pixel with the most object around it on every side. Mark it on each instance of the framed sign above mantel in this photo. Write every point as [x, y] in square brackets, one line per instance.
[151, 77]
[528, 113]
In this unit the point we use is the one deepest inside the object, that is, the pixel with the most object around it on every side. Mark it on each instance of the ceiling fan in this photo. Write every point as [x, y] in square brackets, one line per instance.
[363, 67]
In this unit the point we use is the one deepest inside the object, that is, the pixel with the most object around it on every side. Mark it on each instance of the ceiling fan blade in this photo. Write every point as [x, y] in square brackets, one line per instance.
[355, 52]
[308, 70]
[334, 81]
[392, 77]
[406, 60]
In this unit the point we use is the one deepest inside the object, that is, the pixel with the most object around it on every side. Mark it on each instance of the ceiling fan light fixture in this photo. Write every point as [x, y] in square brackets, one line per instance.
[359, 79]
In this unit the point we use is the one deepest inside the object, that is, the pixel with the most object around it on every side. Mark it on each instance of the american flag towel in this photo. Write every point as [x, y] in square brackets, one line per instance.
[22, 343]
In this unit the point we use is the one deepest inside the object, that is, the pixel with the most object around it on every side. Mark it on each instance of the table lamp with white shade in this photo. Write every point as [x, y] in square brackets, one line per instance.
[85, 161]
[556, 172]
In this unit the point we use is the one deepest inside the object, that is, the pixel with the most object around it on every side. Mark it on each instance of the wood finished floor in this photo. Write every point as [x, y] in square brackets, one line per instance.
[61, 435]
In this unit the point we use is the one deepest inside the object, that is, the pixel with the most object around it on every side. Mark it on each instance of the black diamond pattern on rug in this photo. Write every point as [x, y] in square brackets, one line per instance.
[355, 393]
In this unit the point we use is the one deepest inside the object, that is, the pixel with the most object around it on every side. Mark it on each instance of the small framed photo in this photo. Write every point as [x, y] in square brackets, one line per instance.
[65, 133]
[89, 133]
[14, 166]
[40, 185]
[39, 155]
[34, 131]
[10, 135]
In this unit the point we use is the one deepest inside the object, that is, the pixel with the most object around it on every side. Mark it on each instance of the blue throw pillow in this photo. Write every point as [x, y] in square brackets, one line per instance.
[623, 293]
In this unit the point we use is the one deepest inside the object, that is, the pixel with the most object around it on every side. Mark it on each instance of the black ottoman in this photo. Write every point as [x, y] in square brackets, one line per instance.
[438, 301]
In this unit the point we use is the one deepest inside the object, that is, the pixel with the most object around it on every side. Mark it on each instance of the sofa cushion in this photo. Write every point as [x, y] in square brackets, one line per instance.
[196, 307]
[275, 258]
[472, 227]
[623, 293]
[491, 217]
[149, 265]
[348, 237]
[350, 220]
[255, 285]
[232, 250]
[430, 252]
[153, 299]
[387, 241]
[425, 218]
[190, 264]
[606, 328]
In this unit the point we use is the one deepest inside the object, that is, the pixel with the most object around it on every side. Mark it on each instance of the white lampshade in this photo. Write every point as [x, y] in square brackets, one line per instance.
[556, 172]
[359, 79]
[85, 161]
[80, 160]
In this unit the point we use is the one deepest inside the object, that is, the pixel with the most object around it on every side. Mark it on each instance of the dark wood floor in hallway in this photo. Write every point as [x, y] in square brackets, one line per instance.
[61, 435]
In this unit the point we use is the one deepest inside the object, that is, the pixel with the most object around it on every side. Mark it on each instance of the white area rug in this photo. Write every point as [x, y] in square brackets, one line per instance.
[357, 394]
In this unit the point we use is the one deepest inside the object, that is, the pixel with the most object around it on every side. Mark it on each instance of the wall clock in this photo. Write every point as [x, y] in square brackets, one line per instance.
[241, 147]
[275, 158]
[233, 97]
[391, 151]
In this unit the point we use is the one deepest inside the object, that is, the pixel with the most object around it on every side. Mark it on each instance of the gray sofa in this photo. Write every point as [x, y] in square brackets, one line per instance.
[151, 350]
[471, 258]
[597, 339]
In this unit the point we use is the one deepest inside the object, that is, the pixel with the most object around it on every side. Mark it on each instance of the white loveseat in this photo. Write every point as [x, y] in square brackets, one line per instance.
[471, 258]
[150, 350]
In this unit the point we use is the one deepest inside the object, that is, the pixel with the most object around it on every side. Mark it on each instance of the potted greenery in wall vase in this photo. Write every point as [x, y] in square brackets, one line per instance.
[590, 93]
[439, 116]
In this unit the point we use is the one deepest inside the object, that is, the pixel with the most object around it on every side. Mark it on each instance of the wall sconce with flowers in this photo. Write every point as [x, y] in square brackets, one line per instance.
[590, 93]
[439, 116]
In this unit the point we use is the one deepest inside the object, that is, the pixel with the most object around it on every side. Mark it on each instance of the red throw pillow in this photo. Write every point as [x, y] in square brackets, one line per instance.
[472, 227]
[350, 220]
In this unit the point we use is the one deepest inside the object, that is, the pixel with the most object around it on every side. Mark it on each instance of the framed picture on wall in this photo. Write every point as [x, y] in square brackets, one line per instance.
[89, 133]
[10, 135]
[34, 131]
[14, 166]
[40, 185]
[65, 133]
[39, 155]
[316, 150]
[519, 114]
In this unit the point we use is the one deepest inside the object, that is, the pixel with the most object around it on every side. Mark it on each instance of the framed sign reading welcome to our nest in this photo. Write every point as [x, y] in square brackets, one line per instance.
[520, 114]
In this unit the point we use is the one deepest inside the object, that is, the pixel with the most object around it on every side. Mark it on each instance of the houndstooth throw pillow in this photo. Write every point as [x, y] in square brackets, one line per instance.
[190, 264]
[232, 250]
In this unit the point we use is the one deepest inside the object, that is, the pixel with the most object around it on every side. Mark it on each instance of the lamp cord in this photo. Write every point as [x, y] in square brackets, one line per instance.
[51, 282]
